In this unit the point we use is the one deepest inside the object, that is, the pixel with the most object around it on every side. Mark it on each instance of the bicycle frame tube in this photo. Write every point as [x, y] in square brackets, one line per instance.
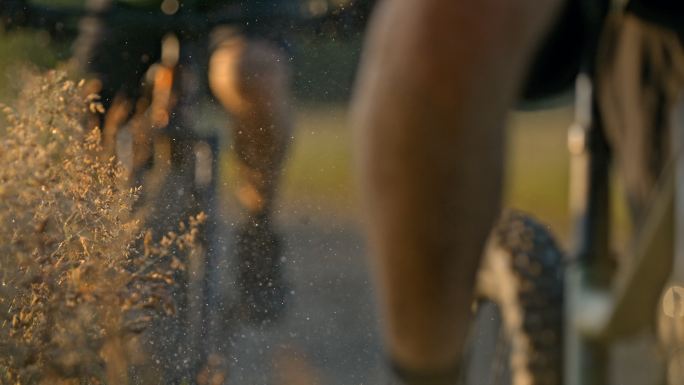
[588, 274]
[678, 271]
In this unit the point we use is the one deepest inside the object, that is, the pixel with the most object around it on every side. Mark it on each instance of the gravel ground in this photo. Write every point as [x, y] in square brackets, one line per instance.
[330, 333]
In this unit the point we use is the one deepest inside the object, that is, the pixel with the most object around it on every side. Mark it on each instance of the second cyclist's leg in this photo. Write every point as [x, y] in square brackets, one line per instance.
[436, 83]
[251, 80]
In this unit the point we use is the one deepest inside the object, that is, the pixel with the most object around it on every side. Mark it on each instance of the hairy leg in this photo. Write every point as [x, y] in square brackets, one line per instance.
[436, 83]
[251, 80]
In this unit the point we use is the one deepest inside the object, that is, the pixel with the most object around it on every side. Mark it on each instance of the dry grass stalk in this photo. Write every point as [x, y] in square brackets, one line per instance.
[77, 274]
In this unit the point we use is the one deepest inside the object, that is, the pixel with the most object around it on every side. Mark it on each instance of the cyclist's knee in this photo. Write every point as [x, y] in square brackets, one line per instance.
[248, 74]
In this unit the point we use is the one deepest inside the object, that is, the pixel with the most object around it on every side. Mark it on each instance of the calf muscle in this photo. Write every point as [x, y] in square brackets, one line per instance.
[437, 79]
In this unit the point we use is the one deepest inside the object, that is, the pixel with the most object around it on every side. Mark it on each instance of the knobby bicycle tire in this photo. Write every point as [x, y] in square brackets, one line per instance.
[517, 331]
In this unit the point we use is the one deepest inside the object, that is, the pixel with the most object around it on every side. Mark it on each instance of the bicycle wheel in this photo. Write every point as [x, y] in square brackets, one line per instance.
[516, 337]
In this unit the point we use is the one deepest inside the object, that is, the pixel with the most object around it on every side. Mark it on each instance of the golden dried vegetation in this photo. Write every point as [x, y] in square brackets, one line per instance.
[78, 275]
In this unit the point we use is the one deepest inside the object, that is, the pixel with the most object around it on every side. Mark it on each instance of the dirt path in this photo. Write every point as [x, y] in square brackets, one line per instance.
[330, 335]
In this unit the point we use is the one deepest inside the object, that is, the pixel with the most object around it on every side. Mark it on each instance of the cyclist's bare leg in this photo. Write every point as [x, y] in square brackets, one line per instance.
[251, 80]
[436, 82]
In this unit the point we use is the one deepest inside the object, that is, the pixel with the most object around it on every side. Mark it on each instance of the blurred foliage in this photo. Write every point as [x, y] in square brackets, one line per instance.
[58, 3]
[22, 48]
[323, 59]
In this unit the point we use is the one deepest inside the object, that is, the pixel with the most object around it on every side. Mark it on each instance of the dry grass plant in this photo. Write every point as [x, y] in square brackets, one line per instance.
[78, 276]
